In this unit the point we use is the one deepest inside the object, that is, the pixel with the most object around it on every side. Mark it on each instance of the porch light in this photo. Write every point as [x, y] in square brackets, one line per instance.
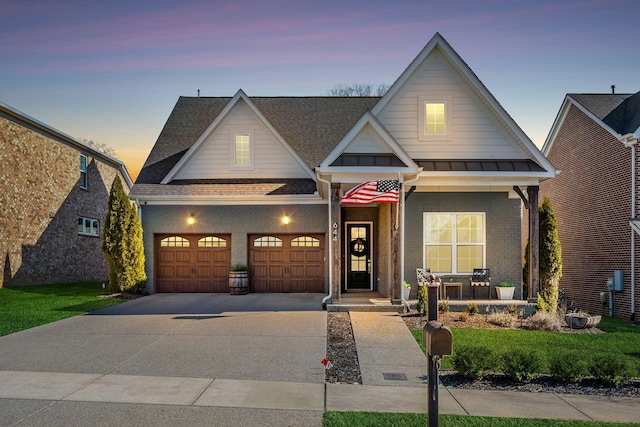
[286, 219]
[191, 220]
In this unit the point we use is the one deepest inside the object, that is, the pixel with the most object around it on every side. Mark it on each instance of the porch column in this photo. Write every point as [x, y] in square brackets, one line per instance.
[534, 243]
[336, 243]
[396, 254]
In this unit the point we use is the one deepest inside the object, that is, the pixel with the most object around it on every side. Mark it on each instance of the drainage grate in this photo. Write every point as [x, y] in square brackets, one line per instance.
[394, 376]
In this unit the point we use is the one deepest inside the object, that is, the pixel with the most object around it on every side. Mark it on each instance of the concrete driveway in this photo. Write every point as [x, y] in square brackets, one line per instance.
[270, 337]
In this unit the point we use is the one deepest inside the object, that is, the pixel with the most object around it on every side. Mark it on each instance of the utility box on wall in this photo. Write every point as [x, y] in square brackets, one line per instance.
[615, 283]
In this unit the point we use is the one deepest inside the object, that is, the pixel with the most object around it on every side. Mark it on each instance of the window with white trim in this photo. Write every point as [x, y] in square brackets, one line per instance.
[88, 226]
[242, 150]
[435, 118]
[454, 242]
[83, 171]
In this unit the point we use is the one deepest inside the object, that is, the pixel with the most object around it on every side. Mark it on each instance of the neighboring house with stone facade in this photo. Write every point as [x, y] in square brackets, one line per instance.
[593, 143]
[262, 181]
[54, 193]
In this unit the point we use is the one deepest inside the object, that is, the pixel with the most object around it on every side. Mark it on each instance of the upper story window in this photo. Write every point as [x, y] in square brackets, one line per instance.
[435, 118]
[88, 226]
[83, 171]
[242, 150]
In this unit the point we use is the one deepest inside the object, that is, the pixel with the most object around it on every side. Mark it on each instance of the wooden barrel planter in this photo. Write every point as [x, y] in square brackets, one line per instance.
[238, 282]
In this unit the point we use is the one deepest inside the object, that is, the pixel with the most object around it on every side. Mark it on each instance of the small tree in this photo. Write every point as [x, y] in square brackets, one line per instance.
[550, 259]
[358, 89]
[122, 242]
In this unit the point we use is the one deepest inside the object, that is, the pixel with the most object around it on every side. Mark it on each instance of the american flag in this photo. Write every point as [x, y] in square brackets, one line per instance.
[381, 191]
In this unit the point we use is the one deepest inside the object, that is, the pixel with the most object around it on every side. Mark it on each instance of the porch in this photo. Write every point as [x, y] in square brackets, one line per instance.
[374, 301]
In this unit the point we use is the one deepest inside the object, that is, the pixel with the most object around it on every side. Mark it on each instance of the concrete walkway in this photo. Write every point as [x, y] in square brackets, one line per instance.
[240, 360]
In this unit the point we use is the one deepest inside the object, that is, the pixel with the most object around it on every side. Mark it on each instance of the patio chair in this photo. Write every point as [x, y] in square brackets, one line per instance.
[480, 278]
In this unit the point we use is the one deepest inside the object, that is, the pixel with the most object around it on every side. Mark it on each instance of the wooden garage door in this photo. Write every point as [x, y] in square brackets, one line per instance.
[287, 263]
[192, 263]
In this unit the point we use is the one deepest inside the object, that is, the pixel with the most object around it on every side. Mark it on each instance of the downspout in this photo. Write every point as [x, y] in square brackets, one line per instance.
[633, 233]
[402, 204]
[328, 297]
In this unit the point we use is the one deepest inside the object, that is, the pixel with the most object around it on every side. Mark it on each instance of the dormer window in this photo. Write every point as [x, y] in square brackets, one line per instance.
[435, 118]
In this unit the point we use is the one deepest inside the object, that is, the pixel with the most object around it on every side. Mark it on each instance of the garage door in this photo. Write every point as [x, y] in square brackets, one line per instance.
[192, 263]
[287, 263]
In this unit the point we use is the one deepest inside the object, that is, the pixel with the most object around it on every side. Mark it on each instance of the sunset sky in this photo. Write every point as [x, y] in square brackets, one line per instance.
[112, 71]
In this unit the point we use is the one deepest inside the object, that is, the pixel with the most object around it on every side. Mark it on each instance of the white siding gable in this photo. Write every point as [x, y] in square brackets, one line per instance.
[368, 141]
[214, 157]
[474, 131]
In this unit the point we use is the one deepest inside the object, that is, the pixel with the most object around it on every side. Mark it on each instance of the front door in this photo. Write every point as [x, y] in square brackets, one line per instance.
[358, 259]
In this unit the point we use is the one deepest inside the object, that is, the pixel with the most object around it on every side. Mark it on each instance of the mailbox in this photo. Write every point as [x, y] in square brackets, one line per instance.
[437, 339]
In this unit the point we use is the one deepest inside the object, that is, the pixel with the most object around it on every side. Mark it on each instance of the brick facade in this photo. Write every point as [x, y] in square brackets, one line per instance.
[40, 203]
[503, 234]
[591, 198]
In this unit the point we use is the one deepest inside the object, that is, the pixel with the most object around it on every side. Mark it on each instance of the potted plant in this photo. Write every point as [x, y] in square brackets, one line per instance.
[505, 290]
[239, 279]
[406, 290]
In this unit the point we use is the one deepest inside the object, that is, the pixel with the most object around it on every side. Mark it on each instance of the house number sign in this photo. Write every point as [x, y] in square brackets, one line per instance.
[335, 232]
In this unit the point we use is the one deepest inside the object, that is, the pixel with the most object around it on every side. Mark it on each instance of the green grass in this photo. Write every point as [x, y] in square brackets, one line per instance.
[381, 419]
[26, 307]
[625, 339]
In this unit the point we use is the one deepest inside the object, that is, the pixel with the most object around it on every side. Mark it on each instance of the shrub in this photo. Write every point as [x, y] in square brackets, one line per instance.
[473, 362]
[611, 369]
[473, 308]
[513, 309]
[523, 365]
[545, 322]
[423, 299]
[568, 366]
[502, 318]
[464, 316]
[444, 305]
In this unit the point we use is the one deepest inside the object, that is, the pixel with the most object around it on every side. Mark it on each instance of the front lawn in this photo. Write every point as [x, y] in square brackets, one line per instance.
[619, 337]
[26, 307]
[381, 419]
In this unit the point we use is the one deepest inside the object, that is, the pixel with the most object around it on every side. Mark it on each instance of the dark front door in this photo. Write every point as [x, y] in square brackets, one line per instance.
[358, 257]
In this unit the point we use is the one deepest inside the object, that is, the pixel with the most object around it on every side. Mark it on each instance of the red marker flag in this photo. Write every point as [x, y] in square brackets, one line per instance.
[380, 191]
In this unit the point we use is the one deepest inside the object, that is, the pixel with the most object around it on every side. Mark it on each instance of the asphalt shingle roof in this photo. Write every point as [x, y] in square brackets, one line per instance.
[621, 112]
[311, 125]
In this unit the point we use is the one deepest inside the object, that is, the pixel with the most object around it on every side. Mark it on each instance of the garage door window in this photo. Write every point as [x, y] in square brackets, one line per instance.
[174, 241]
[306, 241]
[212, 242]
[267, 241]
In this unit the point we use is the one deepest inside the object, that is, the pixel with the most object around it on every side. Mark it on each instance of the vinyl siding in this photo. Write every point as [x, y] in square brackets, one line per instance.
[214, 158]
[473, 131]
[367, 141]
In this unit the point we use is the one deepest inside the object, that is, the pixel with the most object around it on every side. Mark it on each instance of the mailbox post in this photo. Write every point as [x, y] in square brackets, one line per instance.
[438, 342]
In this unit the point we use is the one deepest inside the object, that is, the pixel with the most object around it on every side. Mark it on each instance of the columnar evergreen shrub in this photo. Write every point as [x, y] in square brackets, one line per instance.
[122, 243]
[523, 365]
[568, 366]
[550, 259]
[474, 362]
[422, 304]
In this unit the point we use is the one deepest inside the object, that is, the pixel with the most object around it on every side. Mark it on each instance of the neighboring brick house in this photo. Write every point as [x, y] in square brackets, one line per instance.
[593, 144]
[54, 193]
[236, 167]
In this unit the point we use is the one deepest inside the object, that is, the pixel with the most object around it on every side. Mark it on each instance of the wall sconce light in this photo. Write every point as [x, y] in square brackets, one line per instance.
[286, 219]
[191, 220]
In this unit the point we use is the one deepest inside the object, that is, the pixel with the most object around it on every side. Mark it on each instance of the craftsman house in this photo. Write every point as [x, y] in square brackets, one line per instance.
[593, 142]
[341, 194]
[54, 193]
